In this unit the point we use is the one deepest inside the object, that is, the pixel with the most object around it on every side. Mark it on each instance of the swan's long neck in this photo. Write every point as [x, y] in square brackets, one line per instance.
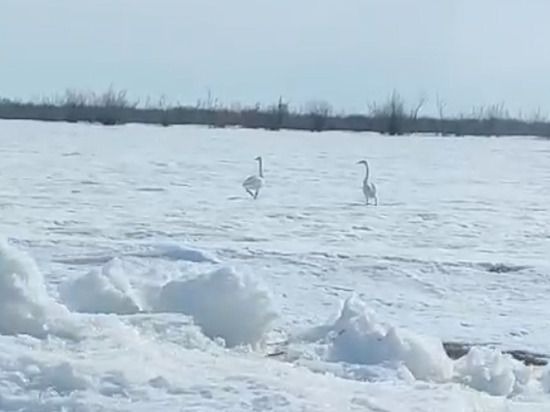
[366, 172]
[260, 167]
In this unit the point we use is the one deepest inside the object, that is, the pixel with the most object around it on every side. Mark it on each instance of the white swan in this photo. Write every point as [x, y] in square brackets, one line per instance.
[369, 189]
[254, 183]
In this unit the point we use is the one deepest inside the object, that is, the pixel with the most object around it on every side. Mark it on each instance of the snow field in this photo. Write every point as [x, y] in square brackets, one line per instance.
[221, 310]
[140, 276]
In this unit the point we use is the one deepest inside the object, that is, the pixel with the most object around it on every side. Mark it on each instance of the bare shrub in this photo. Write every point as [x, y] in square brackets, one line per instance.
[392, 113]
[319, 112]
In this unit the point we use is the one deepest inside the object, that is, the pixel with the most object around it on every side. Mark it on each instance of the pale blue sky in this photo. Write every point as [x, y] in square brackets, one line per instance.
[350, 52]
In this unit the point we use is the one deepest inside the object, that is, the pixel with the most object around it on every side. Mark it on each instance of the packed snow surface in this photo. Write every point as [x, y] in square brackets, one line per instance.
[136, 274]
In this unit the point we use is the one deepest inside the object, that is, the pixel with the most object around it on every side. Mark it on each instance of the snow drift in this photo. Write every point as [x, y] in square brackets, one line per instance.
[357, 337]
[102, 290]
[224, 303]
[25, 306]
[546, 379]
[171, 251]
[491, 371]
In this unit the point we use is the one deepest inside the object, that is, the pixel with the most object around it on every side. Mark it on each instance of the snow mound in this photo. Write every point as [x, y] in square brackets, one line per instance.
[62, 377]
[25, 306]
[357, 337]
[102, 290]
[31, 385]
[175, 252]
[224, 304]
[491, 371]
[545, 381]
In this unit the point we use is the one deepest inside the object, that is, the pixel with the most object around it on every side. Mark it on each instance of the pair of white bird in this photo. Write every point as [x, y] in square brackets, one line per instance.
[254, 184]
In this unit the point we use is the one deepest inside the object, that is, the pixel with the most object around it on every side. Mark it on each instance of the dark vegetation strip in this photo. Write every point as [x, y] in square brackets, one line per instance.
[393, 117]
[456, 350]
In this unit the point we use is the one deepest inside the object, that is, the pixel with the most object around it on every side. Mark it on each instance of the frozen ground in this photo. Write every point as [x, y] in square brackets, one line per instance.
[136, 270]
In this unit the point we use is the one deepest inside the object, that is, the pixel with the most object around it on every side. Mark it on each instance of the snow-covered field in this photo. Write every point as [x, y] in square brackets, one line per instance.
[136, 274]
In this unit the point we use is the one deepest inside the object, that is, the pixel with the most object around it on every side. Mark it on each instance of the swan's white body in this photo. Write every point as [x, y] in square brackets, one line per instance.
[369, 189]
[253, 184]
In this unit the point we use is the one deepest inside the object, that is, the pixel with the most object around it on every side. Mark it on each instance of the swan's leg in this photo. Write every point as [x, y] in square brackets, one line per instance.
[256, 193]
[376, 200]
[250, 192]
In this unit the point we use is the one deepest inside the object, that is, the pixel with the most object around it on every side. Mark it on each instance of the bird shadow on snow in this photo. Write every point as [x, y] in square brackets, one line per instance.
[363, 204]
[385, 204]
[350, 204]
[357, 204]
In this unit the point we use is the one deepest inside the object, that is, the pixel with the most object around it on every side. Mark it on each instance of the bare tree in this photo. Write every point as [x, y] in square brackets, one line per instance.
[319, 111]
[392, 113]
[538, 116]
[277, 114]
[441, 104]
[421, 101]
[74, 98]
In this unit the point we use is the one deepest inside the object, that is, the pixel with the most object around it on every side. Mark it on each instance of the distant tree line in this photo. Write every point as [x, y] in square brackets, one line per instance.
[392, 117]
